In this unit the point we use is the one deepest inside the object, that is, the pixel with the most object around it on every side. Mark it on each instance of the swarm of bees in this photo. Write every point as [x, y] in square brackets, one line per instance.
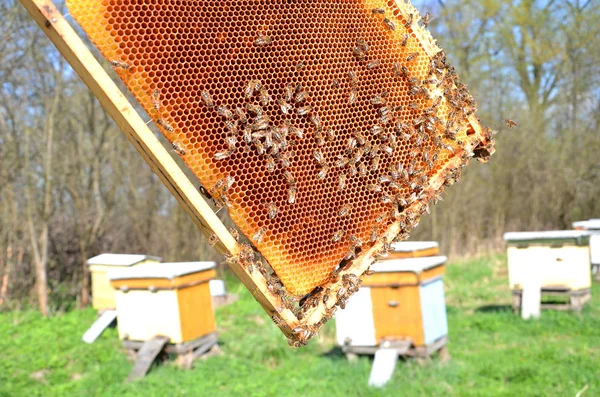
[260, 124]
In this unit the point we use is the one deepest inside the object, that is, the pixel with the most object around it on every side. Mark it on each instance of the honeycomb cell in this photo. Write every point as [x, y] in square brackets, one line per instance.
[278, 77]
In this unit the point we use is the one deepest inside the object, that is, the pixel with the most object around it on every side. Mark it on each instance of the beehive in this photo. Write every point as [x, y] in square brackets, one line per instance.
[558, 258]
[103, 296]
[403, 299]
[168, 299]
[593, 227]
[378, 110]
[413, 249]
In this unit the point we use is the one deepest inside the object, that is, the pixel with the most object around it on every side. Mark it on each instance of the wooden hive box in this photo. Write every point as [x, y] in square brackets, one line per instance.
[592, 226]
[168, 299]
[413, 249]
[404, 299]
[103, 296]
[561, 258]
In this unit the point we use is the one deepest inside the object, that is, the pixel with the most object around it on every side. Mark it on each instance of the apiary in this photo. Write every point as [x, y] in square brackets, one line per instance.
[168, 299]
[402, 300]
[325, 129]
[593, 227]
[103, 296]
[413, 249]
[558, 260]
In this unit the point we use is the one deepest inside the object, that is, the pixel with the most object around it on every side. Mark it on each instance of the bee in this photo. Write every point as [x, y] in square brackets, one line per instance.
[363, 45]
[351, 253]
[374, 188]
[207, 99]
[373, 64]
[330, 134]
[262, 40]
[396, 69]
[300, 65]
[404, 40]
[222, 155]
[411, 56]
[239, 112]
[162, 123]
[301, 96]
[304, 110]
[252, 108]
[119, 65]
[352, 97]
[270, 163]
[351, 145]
[316, 122]
[375, 163]
[323, 173]
[344, 210]
[155, 99]
[272, 210]
[288, 92]
[511, 123]
[292, 194]
[319, 157]
[264, 97]
[178, 148]
[362, 170]
[213, 240]
[356, 241]
[358, 53]
[374, 234]
[409, 21]
[223, 111]
[342, 181]
[285, 159]
[337, 236]
[426, 19]
[389, 24]
[378, 100]
[250, 88]
[352, 77]
[379, 11]
[231, 140]
[234, 233]
[258, 236]
[289, 177]
[298, 132]
[377, 129]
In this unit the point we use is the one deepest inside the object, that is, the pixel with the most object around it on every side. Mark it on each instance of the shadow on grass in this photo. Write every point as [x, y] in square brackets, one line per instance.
[335, 353]
[494, 309]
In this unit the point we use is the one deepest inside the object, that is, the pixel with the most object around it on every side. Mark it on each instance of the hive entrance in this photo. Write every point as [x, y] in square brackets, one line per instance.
[349, 120]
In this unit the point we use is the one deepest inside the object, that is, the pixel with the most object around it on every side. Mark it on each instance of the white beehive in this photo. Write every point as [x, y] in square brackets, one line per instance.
[592, 226]
[560, 258]
[103, 297]
[168, 299]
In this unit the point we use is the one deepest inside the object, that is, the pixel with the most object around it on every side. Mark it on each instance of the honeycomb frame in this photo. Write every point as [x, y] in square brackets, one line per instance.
[299, 326]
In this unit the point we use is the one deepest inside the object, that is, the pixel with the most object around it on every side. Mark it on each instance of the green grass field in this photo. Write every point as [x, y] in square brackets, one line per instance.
[494, 353]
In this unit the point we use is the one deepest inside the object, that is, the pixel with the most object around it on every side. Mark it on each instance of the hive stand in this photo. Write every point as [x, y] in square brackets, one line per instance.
[145, 353]
[478, 143]
[572, 299]
[405, 349]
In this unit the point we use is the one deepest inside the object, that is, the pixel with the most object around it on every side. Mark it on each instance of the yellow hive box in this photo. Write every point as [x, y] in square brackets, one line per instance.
[413, 249]
[404, 299]
[168, 299]
[103, 296]
[560, 258]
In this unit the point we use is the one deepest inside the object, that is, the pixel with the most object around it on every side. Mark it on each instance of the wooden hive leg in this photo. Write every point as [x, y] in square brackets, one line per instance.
[146, 356]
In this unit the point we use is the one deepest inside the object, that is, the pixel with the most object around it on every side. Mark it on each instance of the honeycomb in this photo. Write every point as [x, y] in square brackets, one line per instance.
[315, 123]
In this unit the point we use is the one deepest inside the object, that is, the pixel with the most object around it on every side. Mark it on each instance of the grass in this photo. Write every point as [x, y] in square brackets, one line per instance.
[494, 353]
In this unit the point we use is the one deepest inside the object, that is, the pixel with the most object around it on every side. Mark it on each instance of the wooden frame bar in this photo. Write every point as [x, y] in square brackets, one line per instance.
[128, 120]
